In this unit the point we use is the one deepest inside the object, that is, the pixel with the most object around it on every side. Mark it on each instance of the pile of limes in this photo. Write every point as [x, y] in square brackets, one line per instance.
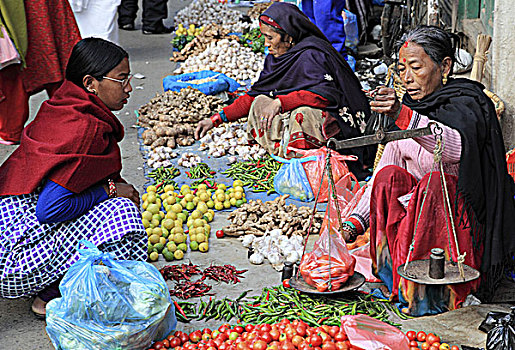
[165, 214]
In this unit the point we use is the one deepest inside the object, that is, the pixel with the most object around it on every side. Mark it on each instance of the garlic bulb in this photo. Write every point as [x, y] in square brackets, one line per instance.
[256, 259]
[247, 240]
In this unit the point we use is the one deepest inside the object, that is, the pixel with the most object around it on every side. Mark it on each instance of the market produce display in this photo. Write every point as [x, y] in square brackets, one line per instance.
[199, 171]
[256, 174]
[257, 218]
[189, 160]
[231, 139]
[185, 35]
[171, 117]
[163, 177]
[204, 12]
[252, 38]
[227, 57]
[197, 44]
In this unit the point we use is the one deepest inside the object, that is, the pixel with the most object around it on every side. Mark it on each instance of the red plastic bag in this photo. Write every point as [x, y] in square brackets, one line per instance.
[364, 262]
[315, 169]
[368, 333]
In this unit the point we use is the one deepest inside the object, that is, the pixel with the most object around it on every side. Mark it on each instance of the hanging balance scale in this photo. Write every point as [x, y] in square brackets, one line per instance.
[436, 270]
[357, 279]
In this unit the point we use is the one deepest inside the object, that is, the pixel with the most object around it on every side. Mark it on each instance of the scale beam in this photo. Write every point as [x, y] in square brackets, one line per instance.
[380, 137]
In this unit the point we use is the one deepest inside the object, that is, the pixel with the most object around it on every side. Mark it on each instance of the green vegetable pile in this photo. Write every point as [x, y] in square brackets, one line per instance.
[179, 41]
[257, 175]
[163, 177]
[278, 302]
[254, 40]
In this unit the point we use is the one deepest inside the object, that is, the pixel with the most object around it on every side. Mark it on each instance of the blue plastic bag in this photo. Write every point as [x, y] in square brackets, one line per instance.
[222, 82]
[350, 23]
[291, 179]
[109, 304]
[351, 61]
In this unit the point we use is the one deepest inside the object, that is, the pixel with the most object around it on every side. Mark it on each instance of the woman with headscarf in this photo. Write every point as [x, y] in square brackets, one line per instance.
[305, 94]
[63, 183]
[405, 218]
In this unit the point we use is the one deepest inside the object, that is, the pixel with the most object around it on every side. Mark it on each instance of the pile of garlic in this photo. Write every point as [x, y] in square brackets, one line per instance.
[189, 160]
[230, 138]
[275, 247]
[227, 57]
[160, 157]
[204, 12]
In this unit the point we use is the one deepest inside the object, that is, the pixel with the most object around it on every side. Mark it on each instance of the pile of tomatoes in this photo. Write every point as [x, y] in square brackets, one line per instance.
[285, 335]
[428, 341]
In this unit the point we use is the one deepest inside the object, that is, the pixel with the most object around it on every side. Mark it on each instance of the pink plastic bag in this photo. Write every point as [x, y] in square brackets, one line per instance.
[315, 169]
[368, 333]
[364, 262]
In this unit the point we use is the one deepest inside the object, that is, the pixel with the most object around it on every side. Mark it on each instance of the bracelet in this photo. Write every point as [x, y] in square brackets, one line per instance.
[223, 116]
[351, 228]
[112, 188]
[216, 120]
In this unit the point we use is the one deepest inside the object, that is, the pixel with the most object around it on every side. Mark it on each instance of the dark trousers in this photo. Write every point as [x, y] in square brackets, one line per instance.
[154, 11]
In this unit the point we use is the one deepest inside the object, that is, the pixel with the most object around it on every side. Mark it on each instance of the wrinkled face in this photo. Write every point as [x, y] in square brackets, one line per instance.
[420, 75]
[273, 41]
[113, 93]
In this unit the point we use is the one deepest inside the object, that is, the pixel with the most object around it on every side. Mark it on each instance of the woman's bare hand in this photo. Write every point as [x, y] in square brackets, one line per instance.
[203, 127]
[127, 191]
[266, 109]
[386, 102]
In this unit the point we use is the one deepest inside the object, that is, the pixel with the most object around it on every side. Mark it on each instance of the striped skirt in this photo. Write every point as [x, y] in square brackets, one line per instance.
[33, 255]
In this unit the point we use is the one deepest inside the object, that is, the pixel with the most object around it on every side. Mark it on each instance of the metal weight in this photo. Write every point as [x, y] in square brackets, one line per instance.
[437, 263]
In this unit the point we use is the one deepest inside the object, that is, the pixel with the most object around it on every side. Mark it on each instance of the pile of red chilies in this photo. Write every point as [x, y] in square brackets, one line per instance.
[180, 272]
[225, 273]
[188, 290]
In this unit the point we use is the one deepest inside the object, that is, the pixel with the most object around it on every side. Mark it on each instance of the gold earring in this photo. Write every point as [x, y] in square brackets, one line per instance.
[444, 79]
[93, 91]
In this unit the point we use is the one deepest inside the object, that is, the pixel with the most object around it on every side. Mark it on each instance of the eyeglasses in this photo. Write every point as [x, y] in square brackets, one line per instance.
[124, 82]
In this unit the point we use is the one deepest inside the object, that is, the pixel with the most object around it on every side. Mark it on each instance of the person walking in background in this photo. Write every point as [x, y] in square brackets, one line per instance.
[154, 12]
[97, 18]
[50, 33]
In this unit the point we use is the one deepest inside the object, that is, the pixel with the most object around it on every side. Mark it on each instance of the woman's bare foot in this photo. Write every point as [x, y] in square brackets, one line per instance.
[39, 307]
[385, 291]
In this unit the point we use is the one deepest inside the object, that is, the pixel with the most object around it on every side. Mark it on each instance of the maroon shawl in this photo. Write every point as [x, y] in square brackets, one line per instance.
[73, 141]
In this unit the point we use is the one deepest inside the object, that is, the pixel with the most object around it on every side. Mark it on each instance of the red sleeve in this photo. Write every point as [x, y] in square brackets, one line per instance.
[404, 117]
[302, 98]
[239, 108]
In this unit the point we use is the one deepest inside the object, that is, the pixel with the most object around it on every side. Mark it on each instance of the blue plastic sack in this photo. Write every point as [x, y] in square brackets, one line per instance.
[182, 81]
[109, 304]
[291, 178]
[351, 61]
[378, 2]
[350, 23]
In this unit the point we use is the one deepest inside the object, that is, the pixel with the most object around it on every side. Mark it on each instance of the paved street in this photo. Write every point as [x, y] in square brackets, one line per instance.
[149, 55]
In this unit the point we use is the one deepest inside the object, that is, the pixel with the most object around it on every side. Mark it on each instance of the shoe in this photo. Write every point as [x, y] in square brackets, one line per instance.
[159, 30]
[8, 143]
[128, 26]
[39, 308]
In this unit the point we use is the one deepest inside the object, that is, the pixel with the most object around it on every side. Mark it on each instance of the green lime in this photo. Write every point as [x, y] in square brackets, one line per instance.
[194, 245]
[168, 255]
[150, 248]
[159, 246]
[183, 247]
[154, 256]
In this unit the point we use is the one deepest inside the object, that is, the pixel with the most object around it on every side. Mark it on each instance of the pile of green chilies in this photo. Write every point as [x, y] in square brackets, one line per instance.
[276, 303]
[164, 176]
[257, 175]
[201, 170]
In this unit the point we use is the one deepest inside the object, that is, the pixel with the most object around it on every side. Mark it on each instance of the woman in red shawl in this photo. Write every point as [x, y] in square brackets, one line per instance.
[51, 32]
[305, 94]
[63, 182]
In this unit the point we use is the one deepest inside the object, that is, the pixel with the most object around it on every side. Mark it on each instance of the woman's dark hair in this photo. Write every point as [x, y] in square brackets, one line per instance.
[93, 56]
[436, 42]
[281, 32]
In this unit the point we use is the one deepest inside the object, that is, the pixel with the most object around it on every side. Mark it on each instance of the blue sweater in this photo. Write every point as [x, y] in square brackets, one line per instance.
[57, 204]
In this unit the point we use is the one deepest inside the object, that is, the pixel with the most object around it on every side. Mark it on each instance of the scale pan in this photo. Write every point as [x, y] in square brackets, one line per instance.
[355, 281]
[418, 271]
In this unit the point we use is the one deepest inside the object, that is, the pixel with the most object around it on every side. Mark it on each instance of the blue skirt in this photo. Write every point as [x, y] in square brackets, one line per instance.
[33, 255]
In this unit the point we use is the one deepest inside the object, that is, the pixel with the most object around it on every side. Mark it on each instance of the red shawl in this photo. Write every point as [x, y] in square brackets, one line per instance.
[73, 141]
[52, 32]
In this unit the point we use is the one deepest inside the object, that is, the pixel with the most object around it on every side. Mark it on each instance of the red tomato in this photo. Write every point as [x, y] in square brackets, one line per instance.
[325, 337]
[455, 347]
[425, 346]
[166, 343]
[315, 340]
[272, 347]
[220, 234]
[249, 328]
[183, 337]
[259, 345]
[265, 327]
[432, 338]
[305, 346]
[242, 346]
[421, 336]
[195, 336]
[341, 345]
[206, 336]
[286, 283]
[433, 347]
[282, 337]
[297, 340]
[174, 341]
[328, 345]
[285, 321]
[211, 348]
[340, 336]
[239, 329]
[444, 346]
[286, 345]
[412, 335]
[223, 346]
[159, 345]
[413, 343]
[301, 330]
[334, 330]
[223, 328]
[207, 331]
[266, 337]
[234, 335]
[274, 333]
[414, 348]
[326, 328]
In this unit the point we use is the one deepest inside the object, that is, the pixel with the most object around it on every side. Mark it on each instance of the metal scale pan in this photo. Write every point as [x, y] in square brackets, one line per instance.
[354, 282]
[418, 271]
